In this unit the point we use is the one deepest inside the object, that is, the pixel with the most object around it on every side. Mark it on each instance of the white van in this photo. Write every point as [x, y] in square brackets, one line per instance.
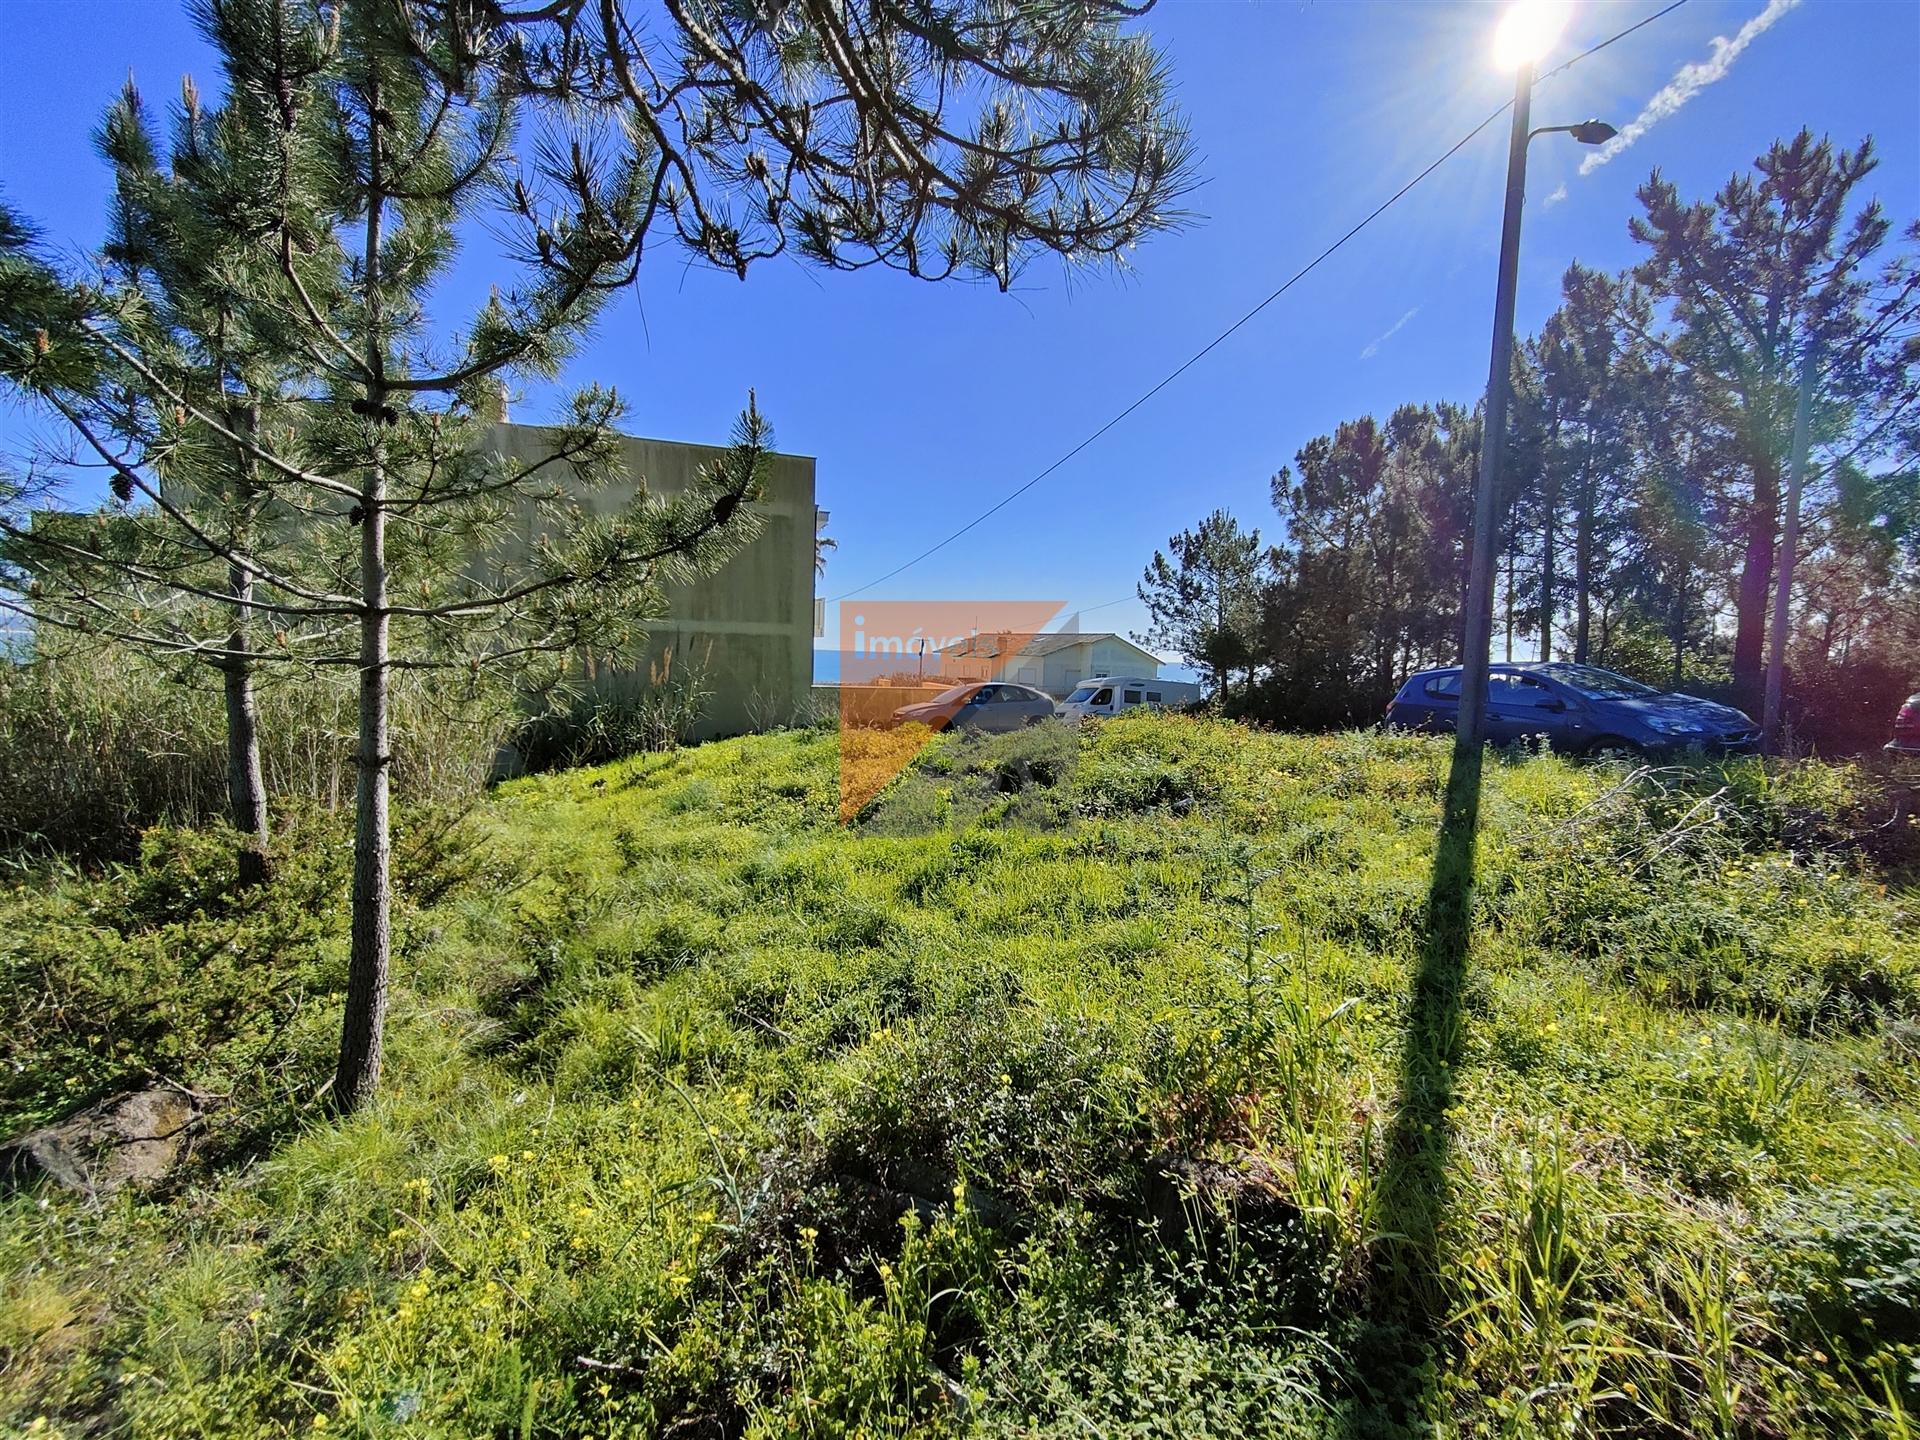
[1109, 695]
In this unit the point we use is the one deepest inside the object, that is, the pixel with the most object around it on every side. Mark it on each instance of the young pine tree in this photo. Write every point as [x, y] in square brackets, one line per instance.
[176, 376]
[367, 143]
[860, 134]
[1204, 600]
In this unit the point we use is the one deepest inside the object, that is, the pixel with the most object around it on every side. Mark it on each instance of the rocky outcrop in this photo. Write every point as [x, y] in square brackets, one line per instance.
[136, 1138]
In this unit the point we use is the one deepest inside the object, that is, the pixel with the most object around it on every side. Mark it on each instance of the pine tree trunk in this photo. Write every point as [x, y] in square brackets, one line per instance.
[1549, 483]
[246, 789]
[1773, 715]
[1583, 558]
[363, 1022]
[358, 1074]
[1677, 633]
[1546, 584]
[1509, 599]
[1755, 585]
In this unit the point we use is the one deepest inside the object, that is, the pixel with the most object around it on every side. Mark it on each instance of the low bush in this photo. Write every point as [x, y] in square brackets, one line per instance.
[158, 973]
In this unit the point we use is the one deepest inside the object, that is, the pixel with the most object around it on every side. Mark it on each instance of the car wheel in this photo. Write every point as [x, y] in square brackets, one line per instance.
[1613, 747]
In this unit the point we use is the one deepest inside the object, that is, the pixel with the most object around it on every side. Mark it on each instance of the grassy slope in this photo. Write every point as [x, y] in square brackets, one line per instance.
[994, 1113]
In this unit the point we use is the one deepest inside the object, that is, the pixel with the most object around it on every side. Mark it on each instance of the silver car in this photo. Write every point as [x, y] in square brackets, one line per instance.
[992, 705]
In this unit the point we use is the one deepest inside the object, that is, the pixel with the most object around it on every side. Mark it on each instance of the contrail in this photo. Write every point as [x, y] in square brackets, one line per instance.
[1688, 82]
[1373, 349]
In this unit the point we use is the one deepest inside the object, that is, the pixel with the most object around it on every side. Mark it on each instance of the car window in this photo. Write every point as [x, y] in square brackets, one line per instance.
[1104, 697]
[1590, 682]
[1081, 694]
[987, 695]
[1506, 689]
[1131, 697]
[1447, 687]
[1153, 697]
[1531, 690]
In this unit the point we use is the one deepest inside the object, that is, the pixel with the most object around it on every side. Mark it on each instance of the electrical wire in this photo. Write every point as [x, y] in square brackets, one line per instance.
[1224, 335]
[1103, 605]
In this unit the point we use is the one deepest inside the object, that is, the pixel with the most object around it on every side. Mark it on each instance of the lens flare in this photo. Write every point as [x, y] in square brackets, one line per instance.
[1528, 31]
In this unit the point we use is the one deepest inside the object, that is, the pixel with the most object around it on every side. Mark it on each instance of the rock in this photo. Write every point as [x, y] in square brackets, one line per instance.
[131, 1139]
[1188, 1196]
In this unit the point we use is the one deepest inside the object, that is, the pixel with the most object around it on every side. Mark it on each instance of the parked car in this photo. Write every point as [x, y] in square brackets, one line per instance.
[1109, 695]
[1579, 708]
[980, 706]
[1906, 728]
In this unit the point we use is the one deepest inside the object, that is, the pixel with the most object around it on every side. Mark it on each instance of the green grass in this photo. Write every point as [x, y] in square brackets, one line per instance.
[1121, 1084]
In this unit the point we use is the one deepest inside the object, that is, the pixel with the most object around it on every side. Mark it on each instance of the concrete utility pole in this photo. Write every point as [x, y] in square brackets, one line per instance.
[1471, 730]
[1525, 36]
[1771, 718]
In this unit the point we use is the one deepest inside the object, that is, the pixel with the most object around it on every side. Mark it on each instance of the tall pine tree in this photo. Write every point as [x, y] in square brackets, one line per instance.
[1776, 262]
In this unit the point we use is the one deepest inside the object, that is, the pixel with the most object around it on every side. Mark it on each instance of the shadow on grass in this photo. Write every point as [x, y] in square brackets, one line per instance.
[1408, 1299]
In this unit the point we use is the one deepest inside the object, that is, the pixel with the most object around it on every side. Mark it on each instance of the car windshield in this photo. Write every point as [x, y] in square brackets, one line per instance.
[958, 692]
[1081, 695]
[1593, 683]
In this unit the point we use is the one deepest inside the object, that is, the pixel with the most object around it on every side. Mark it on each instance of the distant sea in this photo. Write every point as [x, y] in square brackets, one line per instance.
[827, 667]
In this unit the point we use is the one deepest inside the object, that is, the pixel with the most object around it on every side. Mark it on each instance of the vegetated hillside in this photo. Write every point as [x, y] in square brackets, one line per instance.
[1070, 1090]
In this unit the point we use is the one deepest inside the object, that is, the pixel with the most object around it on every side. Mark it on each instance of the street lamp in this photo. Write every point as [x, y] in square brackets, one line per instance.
[1526, 35]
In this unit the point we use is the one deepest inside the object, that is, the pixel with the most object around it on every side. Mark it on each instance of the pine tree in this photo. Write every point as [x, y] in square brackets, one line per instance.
[1370, 576]
[169, 565]
[1203, 599]
[954, 139]
[379, 131]
[1776, 263]
[365, 144]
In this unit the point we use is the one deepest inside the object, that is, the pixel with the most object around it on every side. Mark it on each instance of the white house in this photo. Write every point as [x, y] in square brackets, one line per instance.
[1053, 662]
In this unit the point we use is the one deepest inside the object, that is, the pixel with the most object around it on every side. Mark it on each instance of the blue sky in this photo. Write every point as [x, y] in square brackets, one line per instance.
[924, 404]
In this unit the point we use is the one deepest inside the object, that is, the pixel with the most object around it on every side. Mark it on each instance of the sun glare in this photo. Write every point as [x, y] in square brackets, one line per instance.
[1528, 31]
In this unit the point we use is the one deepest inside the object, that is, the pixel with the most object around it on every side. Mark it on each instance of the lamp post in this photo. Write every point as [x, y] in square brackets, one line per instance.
[1526, 34]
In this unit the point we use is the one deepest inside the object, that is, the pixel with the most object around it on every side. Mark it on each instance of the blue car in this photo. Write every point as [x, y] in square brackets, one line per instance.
[1577, 708]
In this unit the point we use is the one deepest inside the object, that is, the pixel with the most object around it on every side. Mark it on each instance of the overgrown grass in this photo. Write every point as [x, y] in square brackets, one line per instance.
[97, 744]
[1059, 1093]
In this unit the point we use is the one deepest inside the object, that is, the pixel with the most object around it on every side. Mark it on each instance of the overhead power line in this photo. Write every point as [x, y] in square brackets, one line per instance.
[1103, 605]
[1224, 335]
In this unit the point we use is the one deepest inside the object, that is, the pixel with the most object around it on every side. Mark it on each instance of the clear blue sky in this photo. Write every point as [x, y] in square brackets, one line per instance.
[926, 403]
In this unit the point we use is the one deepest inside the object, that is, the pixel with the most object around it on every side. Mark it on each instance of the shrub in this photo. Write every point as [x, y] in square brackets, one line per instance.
[1846, 1271]
[159, 972]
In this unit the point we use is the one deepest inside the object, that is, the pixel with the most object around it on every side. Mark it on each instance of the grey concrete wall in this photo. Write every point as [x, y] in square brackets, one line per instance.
[746, 629]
